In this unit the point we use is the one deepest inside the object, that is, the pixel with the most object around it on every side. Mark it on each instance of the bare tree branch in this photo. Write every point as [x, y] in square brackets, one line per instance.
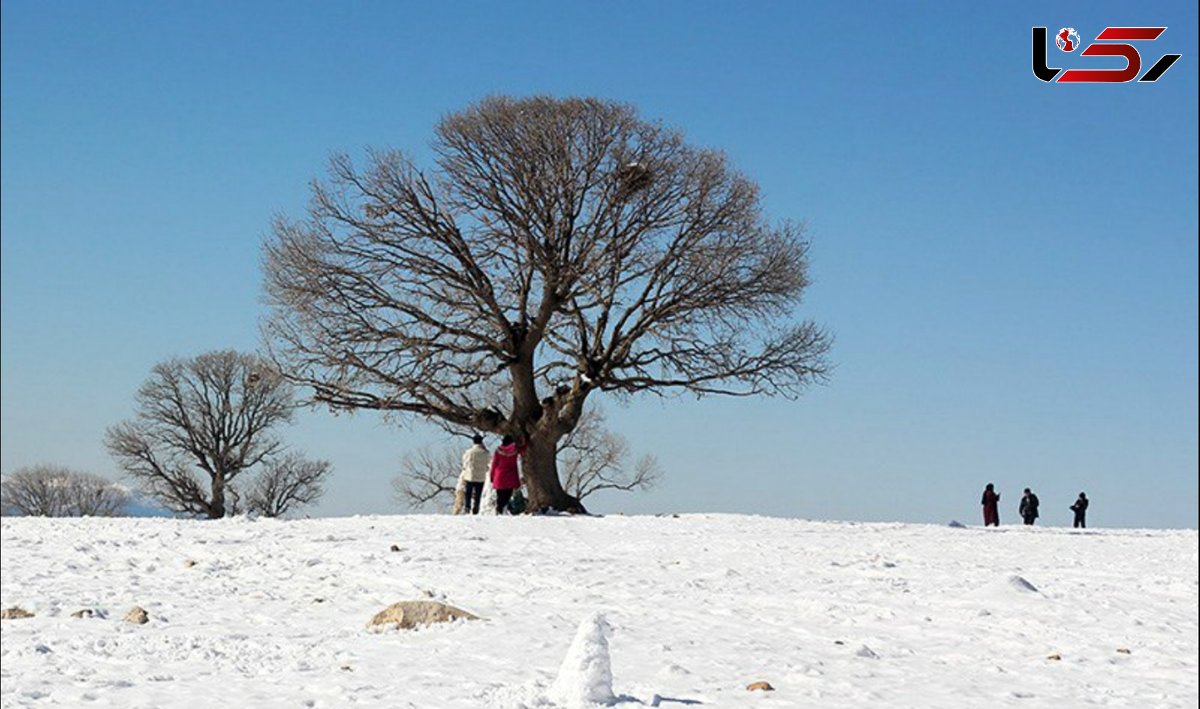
[287, 483]
[426, 476]
[593, 459]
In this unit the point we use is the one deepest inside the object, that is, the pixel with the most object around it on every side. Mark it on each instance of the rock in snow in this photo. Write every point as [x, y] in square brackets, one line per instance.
[585, 676]
[15, 613]
[137, 615]
[407, 615]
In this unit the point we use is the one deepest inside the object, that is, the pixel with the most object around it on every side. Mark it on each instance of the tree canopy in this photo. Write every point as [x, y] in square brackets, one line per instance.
[556, 248]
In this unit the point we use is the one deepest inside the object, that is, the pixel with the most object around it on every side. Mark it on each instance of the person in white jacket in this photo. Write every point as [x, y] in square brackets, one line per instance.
[475, 463]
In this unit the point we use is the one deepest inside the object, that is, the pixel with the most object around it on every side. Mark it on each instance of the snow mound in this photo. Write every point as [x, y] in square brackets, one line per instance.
[1005, 590]
[585, 676]
[1022, 585]
[867, 652]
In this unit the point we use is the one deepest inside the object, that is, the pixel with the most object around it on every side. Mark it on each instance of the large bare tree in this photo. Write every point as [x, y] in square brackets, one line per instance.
[200, 424]
[55, 491]
[557, 248]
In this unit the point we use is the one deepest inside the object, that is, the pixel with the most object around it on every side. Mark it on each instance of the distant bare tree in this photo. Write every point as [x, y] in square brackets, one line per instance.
[55, 491]
[559, 247]
[200, 423]
[287, 483]
[94, 496]
[426, 476]
[594, 458]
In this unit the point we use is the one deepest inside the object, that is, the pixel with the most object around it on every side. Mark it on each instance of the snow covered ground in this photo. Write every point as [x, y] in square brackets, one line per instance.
[692, 609]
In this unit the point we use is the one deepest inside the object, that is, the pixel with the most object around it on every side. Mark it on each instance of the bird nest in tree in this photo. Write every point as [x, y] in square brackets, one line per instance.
[632, 178]
[375, 210]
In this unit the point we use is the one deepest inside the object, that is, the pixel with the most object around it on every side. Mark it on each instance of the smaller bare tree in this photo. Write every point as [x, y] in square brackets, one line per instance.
[287, 483]
[55, 491]
[201, 422]
[425, 476]
[594, 458]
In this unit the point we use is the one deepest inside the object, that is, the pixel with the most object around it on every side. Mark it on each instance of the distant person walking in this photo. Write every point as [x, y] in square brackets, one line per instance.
[474, 473]
[506, 475]
[991, 506]
[1080, 510]
[1029, 507]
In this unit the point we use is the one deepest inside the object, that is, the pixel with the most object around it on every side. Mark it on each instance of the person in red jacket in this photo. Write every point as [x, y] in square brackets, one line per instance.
[505, 474]
[991, 506]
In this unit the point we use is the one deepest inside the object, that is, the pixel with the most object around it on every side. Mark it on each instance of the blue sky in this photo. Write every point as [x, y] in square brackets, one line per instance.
[1010, 267]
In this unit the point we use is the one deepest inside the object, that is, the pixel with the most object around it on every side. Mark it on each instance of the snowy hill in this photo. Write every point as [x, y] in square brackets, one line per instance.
[673, 612]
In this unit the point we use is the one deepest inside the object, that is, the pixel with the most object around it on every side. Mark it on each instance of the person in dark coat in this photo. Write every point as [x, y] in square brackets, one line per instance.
[1029, 506]
[991, 506]
[1080, 510]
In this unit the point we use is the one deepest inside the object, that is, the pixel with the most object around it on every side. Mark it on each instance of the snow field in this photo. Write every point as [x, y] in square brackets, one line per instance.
[641, 611]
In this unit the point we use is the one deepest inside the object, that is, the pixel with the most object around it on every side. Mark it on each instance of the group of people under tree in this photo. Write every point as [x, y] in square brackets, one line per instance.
[500, 468]
[1028, 508]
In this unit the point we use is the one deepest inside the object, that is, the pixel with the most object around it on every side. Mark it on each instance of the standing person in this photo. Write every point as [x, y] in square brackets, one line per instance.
[1080, 510]
[1029, 507]
[474, 472]
[991, 506]
[506, 476]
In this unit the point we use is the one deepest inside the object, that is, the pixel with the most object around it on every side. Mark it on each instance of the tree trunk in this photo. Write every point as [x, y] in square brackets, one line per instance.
[539, 467]
[216, 508]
